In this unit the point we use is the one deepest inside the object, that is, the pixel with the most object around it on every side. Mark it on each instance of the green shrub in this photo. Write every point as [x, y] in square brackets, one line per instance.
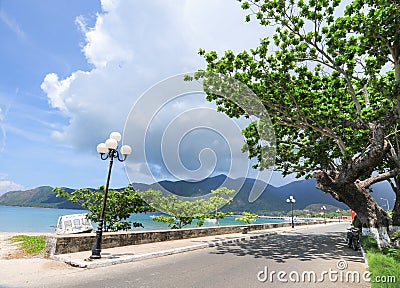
[369, 243]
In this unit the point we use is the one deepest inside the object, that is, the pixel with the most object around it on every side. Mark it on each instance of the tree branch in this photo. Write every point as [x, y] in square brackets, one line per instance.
[378, 178]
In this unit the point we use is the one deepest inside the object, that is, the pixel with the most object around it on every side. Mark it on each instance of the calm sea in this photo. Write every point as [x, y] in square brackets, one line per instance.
[27, 219]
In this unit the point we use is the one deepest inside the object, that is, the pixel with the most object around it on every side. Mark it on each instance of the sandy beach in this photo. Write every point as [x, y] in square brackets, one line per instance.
[8, 249]
[16, 269]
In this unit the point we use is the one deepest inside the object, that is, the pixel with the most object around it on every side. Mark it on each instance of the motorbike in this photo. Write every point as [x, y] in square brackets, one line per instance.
[353, 238]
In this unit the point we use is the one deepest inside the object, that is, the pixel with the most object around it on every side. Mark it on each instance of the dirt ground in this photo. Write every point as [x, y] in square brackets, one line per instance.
[9, 249]
[21, 270]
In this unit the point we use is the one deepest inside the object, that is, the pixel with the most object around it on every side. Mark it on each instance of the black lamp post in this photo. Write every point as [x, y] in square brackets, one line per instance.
[108, 150]
[323, 208]
[338, 211]
[291, 200]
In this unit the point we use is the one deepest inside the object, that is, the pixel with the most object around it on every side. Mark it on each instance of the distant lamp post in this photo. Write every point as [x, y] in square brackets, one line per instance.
[338, 211]
[387, 203]
[108, 150]
[323, 208]
[291, 201]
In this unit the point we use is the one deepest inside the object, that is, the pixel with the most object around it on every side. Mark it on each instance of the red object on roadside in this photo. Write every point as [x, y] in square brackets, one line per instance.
[353, 213]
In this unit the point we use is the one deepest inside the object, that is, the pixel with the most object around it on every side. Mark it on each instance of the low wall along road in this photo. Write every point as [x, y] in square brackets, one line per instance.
[71, 243]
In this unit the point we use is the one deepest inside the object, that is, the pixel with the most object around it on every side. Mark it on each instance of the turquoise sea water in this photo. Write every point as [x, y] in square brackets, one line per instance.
[27, 219]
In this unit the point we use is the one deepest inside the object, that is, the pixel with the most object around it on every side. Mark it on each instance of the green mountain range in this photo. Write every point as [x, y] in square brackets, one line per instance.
[271, 200]
[37, 197]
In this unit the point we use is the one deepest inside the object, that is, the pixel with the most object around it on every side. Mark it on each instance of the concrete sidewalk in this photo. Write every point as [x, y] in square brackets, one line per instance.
[133, 253]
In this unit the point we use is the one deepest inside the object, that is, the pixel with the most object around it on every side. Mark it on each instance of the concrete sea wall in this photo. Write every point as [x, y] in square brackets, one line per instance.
[63, 244]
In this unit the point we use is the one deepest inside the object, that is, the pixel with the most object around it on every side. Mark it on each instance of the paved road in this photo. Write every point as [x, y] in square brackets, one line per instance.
[315, 251]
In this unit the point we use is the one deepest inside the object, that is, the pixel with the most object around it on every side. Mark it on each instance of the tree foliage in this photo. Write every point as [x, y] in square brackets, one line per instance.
[329, 78]
[120, 205]
[183, 212]
[247, 217]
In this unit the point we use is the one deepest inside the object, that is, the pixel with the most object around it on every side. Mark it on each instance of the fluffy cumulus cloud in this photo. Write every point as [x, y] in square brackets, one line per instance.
[6, 186]
[133, 45]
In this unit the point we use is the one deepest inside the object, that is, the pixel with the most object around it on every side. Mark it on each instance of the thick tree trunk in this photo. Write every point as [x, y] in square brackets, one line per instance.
[375, 221]
[396, 208]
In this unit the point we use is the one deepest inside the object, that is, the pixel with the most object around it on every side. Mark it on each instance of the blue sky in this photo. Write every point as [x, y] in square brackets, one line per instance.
[71, 71]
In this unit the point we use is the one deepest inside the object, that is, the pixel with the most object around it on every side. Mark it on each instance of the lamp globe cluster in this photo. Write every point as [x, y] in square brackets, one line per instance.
[112, 144]
[291, 199]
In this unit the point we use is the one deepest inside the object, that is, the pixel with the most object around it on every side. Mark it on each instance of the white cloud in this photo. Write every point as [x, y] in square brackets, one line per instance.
[133, 45]
[80, 21]
[6, 186]
[55, 89]
[12, 24]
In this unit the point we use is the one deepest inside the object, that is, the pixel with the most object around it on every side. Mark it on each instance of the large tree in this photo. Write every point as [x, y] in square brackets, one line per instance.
[183, 212]
[329, 78]
[120, 205]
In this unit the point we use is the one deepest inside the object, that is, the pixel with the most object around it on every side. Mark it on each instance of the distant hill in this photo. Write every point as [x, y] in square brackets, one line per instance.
[272, 199]
[37, 197]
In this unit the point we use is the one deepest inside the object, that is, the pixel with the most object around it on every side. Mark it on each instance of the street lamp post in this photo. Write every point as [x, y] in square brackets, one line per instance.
[291, 200]
[108, 150]
[387, 203]
[338, 211]
[323, 208]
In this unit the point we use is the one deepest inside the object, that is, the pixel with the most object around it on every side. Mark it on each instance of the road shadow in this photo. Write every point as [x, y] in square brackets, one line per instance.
[115, 255]
[303, 246]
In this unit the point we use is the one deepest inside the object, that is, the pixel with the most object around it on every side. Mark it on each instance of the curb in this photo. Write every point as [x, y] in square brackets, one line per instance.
[365, 257]
[91, 264]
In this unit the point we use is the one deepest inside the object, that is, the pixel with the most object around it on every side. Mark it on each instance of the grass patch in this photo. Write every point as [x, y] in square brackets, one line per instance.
[384, 264]
[30, 245]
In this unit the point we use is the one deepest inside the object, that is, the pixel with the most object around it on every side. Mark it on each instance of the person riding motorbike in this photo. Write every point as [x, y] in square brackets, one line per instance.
[353, 234]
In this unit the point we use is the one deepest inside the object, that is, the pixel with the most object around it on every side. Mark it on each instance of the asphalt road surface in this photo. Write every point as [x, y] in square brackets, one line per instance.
[312, 257]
